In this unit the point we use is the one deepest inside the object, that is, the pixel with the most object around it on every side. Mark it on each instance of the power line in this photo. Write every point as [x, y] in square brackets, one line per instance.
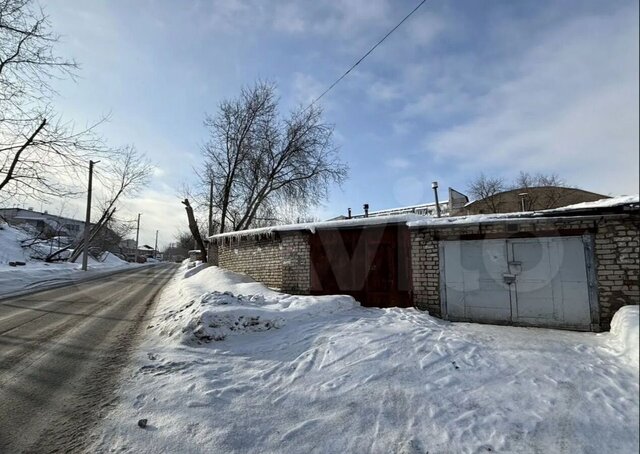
[367, 54]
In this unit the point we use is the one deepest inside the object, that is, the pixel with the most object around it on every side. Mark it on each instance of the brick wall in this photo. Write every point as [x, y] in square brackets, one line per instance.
[617, 250]
[296, 263]
[425, 265]
[280, 261]
[259, 258]
[616, 256]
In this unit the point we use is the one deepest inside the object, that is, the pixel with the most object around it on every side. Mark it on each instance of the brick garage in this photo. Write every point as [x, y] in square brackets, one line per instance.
[615, 251]
[279, 260]
[281, 257]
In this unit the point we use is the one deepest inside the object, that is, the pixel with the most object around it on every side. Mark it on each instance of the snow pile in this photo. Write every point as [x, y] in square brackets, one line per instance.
[624, 330]
[10, 249]
[214, 315]
[338, 377]
[110, 259]
[223, 314]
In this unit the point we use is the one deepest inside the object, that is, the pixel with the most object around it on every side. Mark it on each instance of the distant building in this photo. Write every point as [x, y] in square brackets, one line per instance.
[45, 223]
[128, 250]
[456, 201]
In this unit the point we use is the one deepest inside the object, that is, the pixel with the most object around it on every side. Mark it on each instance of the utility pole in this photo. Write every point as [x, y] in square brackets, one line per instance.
[155, 249]
[87, 222]
[137, 236]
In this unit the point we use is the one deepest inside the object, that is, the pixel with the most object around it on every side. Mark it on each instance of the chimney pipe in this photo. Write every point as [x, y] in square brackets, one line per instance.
[366, 210]
[434, 185]
[349, 213]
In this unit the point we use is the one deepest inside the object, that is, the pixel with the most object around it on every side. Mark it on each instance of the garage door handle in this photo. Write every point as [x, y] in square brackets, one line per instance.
[509, 278]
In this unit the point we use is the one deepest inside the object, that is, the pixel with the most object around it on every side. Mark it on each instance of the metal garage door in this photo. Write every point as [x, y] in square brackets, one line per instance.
[370, 264]
[528, 281]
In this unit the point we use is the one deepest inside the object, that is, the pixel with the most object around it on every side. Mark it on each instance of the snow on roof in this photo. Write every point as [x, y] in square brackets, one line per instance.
[602, 203]
[409, 208]
[415, 220]
[313, 226]
[497, 217]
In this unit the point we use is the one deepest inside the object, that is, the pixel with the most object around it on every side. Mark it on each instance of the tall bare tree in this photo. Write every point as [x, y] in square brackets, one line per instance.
[258, 158]
[39, 153]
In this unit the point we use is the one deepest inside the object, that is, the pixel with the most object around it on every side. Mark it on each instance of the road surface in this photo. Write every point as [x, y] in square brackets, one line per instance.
[61, 354]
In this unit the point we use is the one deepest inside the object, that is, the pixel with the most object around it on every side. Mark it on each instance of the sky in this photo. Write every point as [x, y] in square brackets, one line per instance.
[462, 87]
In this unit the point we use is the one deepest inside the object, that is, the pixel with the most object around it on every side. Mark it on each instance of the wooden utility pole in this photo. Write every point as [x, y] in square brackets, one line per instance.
[87, 222]
[137, 236]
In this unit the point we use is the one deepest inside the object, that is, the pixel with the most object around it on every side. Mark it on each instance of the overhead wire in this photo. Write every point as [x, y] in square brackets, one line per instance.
[367, 54]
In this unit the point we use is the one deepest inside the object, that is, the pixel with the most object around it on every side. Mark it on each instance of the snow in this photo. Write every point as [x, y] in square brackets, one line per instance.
[37, 274]
[416, 220]
[602, 203]
[313, 226]
[501, 217]
[10, 249]
[322, 374]
[625, 328]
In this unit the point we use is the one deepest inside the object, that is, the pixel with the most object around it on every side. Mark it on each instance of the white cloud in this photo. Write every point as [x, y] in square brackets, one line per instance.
[384, 91]
[305, 88]
[571, 107]
[398, 163]
[160, 211]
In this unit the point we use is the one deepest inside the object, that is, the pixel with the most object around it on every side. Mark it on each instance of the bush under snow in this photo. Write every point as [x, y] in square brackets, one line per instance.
[250, 307]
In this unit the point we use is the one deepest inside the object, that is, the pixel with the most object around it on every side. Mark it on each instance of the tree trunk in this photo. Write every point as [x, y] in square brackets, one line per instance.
[193, 226]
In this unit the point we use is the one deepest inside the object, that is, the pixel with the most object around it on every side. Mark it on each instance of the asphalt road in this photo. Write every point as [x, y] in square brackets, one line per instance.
[61, 354]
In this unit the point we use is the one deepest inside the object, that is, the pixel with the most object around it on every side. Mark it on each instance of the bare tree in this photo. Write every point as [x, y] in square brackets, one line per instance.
[39, 153]
[485, 189]
[111, 235]
[258, 159]
[232, 140]
[550, 197]
[124, 176]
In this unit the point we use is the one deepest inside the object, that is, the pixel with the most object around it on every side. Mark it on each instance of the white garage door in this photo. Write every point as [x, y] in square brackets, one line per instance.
[532, 281]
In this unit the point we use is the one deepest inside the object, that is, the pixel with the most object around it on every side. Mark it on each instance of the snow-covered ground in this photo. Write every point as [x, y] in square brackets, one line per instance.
[36, 274]
[228, 365]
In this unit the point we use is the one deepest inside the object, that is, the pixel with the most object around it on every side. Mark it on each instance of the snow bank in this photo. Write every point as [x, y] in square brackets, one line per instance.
[322, 374]
[10, 249]
[110, 259]
[244, 306]
[624, 330]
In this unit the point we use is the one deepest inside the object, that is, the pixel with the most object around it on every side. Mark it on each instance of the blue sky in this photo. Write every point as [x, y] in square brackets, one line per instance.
[462, 87]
